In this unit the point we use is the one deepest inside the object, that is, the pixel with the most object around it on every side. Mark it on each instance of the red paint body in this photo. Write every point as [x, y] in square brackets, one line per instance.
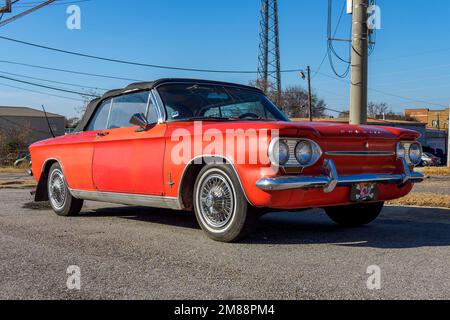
[126, 161]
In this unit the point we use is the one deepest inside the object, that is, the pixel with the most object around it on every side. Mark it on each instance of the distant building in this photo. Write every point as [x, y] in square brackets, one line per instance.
[436, 119]
[32, 120]
[437, 140]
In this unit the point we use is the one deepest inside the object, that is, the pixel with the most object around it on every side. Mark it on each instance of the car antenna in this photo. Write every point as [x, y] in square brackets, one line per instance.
[48, 122]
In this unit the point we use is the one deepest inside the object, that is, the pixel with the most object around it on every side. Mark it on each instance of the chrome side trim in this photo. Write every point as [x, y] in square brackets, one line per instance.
[128, 199]
[360, 153]
[330, 179]
[211, 157]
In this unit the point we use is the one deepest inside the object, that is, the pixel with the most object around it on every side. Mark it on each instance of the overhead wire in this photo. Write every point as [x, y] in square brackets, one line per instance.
[140, 64]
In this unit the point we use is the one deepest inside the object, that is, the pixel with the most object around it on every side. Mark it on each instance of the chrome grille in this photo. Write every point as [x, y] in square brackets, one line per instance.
[292, 160]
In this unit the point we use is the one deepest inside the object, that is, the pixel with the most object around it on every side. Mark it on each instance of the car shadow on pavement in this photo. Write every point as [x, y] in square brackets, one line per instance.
[397, 227]
[175, 218]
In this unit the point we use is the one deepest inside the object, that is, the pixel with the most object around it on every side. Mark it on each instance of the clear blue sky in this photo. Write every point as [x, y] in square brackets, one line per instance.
[411, 58]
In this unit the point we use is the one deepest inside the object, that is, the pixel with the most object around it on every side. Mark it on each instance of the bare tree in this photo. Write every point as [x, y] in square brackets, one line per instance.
[87, 98]
[295, 103]
[13, 142]
[378, 109]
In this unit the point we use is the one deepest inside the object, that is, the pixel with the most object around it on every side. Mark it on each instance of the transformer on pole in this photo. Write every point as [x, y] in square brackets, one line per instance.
[269, 74]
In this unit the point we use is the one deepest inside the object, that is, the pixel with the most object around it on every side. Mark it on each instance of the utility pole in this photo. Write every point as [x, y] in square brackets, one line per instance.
[359, 62]
[310, 95]
[448, 138]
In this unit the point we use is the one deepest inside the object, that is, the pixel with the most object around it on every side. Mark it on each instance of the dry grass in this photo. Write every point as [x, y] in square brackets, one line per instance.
[11, 170]
[435, 171]
[17, 184]
[424, 199]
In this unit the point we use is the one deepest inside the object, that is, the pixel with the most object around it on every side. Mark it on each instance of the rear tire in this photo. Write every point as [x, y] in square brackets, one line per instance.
[355, 215]
[220, 205]
[60, 198]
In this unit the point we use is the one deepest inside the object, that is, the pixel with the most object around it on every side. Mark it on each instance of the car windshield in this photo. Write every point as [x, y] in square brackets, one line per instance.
[217, 102]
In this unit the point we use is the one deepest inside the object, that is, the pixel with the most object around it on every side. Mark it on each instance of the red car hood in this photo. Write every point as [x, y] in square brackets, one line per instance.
[314, 129]
[330, 129]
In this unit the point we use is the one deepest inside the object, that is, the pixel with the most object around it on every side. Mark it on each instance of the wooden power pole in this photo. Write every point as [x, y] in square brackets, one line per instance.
[448, 138]
[359, 62]
[309, 95]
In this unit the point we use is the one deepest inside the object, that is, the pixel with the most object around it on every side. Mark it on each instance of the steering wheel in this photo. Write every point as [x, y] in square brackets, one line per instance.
[249, 115]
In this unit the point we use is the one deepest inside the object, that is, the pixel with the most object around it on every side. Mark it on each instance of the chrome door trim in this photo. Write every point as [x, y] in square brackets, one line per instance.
[360, 153]
[159, 106]
[128, 199]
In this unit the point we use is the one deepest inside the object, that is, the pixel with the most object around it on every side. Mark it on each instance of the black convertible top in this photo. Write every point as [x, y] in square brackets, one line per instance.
[141, 86]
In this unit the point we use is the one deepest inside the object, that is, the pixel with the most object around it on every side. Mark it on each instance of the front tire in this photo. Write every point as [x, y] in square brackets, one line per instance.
[220, 205]
[60, 198]
[355, 215]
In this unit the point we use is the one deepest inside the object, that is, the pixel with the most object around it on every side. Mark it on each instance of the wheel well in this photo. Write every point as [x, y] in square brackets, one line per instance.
[41, 189]
[190, 174]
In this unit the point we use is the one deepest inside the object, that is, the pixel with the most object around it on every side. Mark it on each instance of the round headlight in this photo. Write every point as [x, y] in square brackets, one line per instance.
[415, 153]
[283, 153]
[401, 153]
[304, 152]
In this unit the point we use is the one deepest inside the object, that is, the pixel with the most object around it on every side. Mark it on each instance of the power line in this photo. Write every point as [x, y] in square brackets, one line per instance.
[327, 51]
[68, 71]
[53, 81]
[22, 14]
[57, 2]
[331, 51]
[40, 92]
[386, 93]
[49, 87]
[137, 63]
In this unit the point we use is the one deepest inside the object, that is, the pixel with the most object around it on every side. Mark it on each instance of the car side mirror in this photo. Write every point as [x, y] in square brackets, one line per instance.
[141, 121]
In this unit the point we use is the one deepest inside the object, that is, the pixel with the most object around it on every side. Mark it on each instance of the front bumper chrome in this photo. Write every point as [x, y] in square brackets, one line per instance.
[330, 179]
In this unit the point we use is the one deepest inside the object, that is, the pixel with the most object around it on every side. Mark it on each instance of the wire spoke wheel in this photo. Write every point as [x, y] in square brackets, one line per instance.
[57, 189]
[216, 201]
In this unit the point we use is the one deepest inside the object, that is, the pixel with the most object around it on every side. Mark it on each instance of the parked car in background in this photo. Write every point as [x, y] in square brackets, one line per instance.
[23, 161]
[430, 160]
[150, 144]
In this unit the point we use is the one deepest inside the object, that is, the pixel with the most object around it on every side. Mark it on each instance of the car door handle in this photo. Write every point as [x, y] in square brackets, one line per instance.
[102, 133]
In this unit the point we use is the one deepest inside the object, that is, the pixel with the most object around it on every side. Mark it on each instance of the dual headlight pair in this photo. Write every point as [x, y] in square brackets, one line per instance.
[294, 152]
[410, 151]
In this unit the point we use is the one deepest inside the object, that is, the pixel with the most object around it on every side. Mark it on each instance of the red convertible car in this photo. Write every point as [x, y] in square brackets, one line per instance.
[227, 153]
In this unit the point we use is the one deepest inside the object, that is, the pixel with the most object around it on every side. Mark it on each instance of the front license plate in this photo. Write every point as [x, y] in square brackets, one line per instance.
[362, 192]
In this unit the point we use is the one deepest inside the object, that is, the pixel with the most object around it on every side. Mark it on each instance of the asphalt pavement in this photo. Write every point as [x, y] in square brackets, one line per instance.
[141, 253]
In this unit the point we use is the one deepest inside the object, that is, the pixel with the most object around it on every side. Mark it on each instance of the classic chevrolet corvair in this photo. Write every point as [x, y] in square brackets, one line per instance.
[226, 152]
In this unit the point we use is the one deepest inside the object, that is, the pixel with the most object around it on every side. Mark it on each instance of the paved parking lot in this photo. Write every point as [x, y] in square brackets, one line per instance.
[141, 253]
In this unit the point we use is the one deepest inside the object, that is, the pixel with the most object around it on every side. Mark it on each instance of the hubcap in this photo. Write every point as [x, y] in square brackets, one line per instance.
[57, 189]
[216, 201]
